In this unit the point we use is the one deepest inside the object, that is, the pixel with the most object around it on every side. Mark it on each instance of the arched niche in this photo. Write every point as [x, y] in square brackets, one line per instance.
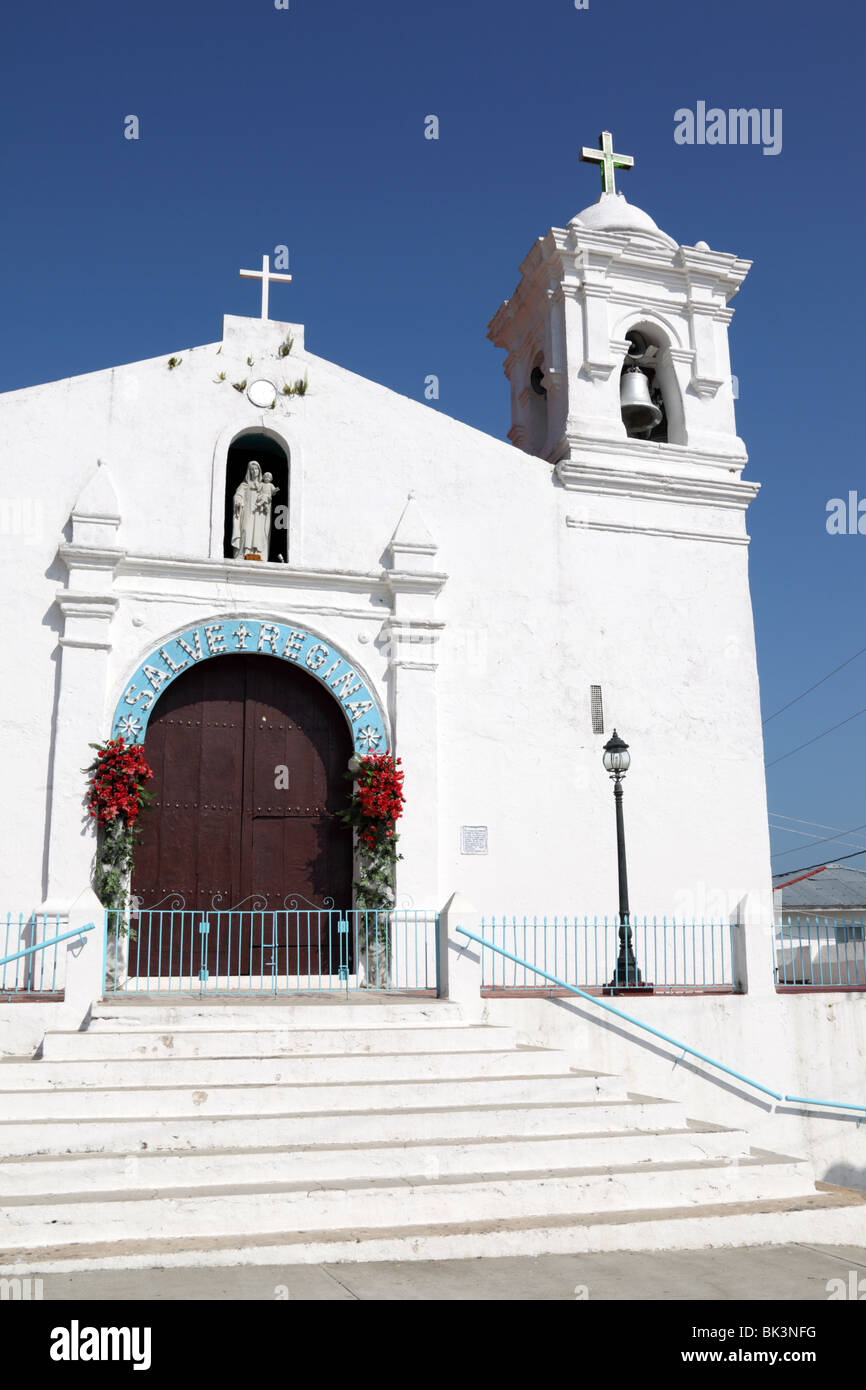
[272, 457]
[659, 367]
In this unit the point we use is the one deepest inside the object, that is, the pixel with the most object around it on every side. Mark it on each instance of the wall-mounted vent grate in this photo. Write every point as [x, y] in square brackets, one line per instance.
[597, 709]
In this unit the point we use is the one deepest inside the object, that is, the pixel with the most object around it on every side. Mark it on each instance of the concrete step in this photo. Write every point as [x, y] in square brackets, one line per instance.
[161, 1173]
[132, 1043]
[184, 1134]
[300, 1069]
[827, 1218]
[244, 1214]
[324, 1130]
[90, 1104]
[299, 1014]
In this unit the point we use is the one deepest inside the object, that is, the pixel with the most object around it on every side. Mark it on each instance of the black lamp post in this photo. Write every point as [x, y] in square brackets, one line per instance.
[616, 761]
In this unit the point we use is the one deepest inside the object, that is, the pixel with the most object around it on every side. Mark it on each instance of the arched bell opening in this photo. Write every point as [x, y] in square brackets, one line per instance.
[537, 406]
[273, 467]
[647, 388]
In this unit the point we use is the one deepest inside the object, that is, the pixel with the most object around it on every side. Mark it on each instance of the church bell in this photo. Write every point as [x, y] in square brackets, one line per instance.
[638, 410]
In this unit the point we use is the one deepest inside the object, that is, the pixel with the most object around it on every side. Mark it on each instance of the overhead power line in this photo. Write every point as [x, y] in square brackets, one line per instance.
[792, 830]
[804, 693]
[787, 830]
[815, 824]
[825, 840]
[810, 741]
[824, 863]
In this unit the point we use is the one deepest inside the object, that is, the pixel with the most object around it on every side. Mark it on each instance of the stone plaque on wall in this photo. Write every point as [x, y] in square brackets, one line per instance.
[473, 839]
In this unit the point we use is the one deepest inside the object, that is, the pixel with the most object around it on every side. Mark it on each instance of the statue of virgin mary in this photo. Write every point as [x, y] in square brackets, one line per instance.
[251, 515]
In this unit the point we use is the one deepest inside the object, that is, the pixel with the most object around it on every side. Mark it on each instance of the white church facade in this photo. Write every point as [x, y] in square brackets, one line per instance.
[488, 610]
[260, 568]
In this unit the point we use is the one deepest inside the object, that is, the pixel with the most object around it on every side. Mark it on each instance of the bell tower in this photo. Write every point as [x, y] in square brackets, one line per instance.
[617, 349]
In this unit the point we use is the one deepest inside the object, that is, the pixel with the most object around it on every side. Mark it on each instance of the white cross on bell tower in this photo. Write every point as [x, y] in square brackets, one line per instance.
[265, 275]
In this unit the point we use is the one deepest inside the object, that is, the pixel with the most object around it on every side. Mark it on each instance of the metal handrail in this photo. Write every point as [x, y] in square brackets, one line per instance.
[43, 945]
[674, 1042]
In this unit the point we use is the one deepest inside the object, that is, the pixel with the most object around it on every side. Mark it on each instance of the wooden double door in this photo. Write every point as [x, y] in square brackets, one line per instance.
[249, 755]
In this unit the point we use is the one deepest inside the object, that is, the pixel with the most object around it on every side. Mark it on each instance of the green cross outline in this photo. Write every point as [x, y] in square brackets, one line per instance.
[608, 161]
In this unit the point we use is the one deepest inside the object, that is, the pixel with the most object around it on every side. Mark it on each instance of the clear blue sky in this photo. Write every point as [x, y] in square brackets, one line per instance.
[305, 127]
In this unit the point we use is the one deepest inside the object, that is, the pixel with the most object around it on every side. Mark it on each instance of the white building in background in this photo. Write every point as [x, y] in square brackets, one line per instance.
[489, 612]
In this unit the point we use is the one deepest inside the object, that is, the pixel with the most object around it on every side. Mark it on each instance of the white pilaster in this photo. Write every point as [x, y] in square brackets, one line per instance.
[460, 958]
[85, 954]
[413, 632]
[88, 606]
[754, 940]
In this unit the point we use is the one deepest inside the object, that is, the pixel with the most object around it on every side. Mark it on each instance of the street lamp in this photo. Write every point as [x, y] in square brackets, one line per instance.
[616, 762]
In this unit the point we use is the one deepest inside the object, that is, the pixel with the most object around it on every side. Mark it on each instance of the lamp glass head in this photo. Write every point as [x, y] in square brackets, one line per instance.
[616, 755]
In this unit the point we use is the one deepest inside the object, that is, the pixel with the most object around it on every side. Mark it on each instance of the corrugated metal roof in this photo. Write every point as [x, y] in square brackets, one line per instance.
[835, 886]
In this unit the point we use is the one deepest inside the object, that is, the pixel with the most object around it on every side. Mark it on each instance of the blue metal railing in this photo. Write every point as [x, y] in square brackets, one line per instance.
[675, 957]
[656, 1032]
[255, 952]
[31, 975]
[820, 953]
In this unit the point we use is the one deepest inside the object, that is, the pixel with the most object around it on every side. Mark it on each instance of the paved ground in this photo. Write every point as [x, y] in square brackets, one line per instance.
[760, 1272]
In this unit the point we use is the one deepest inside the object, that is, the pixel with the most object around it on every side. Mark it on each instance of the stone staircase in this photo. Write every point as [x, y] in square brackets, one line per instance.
[317, 1132]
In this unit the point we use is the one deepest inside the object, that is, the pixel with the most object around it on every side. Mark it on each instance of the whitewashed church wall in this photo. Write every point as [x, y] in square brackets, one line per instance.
[534, 611]
[680, 687]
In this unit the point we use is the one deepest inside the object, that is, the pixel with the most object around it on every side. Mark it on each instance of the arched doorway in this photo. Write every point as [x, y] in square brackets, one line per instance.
[249, 754]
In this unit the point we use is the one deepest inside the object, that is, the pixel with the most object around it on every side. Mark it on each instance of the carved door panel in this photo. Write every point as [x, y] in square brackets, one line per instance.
[294, 850]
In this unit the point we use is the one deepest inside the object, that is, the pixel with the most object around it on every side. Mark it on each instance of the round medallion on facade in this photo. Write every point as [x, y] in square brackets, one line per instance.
[262, 393]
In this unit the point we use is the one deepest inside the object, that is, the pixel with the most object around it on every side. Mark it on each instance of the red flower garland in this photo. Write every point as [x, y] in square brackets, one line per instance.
[116, 784]
[379, 798]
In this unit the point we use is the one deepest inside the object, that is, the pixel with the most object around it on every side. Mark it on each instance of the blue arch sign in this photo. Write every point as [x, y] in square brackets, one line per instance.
[252, 635]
